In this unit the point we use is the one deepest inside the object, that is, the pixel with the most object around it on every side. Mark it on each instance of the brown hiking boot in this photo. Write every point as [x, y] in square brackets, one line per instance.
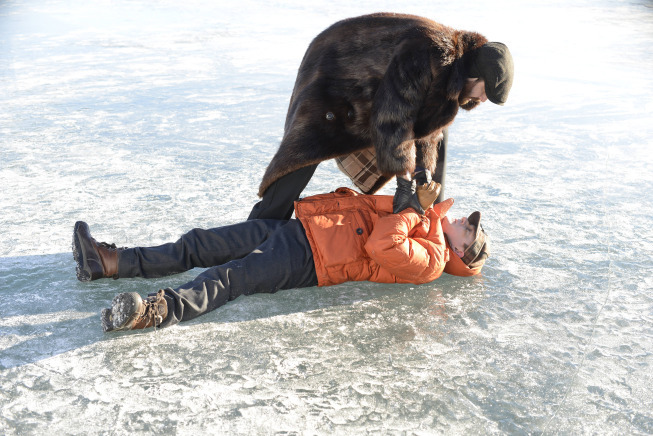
[95, 260]
[130, 312]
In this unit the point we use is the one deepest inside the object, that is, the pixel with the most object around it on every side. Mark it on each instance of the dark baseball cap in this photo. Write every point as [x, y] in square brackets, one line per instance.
[476, 254]
[492, 62]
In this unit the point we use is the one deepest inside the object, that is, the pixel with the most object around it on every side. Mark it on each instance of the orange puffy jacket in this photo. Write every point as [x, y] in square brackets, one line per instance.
[356, 237]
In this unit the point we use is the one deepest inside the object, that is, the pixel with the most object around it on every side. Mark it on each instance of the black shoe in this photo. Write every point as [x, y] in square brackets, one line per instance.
[95, 260]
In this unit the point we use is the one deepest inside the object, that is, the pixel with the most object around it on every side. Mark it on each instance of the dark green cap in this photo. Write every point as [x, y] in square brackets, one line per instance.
[493, 63]
[476, 254]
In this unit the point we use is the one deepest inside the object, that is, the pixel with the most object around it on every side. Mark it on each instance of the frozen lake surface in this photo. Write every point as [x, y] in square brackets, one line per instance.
[148, 118]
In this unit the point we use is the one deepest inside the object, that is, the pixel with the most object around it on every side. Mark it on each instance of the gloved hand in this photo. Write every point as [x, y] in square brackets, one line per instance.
[406, 197]
[427, 194]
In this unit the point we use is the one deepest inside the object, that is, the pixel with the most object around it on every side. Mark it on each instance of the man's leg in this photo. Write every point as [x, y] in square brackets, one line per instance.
[198, 248]
[441, 166]
[283, 261]
[278, 200]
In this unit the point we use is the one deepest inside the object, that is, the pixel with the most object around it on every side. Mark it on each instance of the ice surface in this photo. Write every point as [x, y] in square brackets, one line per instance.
[148, 118]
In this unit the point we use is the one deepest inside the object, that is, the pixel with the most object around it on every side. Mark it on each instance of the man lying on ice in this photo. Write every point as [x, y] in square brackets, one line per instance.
[337, 237]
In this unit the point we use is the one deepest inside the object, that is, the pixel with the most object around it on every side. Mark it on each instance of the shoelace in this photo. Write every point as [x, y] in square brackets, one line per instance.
[151, 310]
[110, 246]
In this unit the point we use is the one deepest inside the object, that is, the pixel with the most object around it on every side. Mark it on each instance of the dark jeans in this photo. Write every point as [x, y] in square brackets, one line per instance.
[246, 258]
[441, 166]
[278, 200]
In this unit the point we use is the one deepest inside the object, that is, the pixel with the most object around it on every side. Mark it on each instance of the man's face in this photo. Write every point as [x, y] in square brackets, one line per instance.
[460, 234]
[473, 94]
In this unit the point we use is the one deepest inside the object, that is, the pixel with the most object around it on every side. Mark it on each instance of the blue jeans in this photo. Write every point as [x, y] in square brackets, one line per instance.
[246, 258]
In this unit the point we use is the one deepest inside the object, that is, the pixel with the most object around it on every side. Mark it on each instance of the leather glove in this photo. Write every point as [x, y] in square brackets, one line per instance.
[405, 197]
[427, 194]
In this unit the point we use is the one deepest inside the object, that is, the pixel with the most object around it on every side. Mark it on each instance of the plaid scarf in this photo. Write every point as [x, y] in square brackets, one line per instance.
[360, 167]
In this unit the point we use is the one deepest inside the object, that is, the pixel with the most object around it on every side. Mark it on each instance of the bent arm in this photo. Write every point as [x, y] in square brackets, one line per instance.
[396, 105]
[415, 259]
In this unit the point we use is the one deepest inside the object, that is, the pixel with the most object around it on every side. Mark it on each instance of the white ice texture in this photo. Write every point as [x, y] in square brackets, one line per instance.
[149, 118]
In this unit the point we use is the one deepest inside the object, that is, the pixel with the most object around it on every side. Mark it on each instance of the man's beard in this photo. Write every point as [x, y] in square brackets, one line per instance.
[470, 104]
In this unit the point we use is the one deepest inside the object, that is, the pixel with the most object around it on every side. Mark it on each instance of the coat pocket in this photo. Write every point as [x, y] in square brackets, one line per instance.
[340, 238]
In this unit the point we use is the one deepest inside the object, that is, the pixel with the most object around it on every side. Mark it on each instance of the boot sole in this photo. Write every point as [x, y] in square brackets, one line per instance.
[107, 321]
[124, 310]
[88, 266]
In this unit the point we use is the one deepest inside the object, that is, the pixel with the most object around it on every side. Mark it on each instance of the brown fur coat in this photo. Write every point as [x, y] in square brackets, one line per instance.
[385, 80]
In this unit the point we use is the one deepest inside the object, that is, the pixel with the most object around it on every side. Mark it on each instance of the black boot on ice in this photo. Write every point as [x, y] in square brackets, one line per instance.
[95, 260]
[130, 312]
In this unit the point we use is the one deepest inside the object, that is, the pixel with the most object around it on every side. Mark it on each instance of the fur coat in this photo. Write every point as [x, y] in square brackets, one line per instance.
[387, 81]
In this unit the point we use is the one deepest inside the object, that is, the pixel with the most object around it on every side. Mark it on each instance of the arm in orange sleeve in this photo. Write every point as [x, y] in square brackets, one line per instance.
[414, 259]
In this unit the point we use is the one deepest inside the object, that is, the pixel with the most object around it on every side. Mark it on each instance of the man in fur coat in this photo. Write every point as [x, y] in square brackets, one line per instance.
[377, 93]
